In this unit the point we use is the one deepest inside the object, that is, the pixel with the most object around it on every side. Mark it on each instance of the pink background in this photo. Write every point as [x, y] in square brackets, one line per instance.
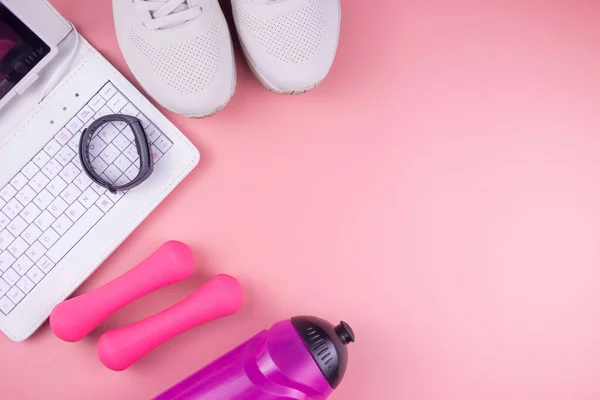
[440, 192]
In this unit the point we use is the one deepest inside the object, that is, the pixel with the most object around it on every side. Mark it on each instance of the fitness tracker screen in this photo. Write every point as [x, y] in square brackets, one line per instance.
[20, 50]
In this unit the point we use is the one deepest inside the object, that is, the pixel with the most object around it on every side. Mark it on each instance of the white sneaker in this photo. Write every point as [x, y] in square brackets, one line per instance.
[180, 51]
[289, 44]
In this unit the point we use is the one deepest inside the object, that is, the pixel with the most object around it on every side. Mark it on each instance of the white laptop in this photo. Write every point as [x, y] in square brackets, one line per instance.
[56, 226]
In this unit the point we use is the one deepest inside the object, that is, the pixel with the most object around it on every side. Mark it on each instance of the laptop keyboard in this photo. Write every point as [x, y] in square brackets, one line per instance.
[51, 204]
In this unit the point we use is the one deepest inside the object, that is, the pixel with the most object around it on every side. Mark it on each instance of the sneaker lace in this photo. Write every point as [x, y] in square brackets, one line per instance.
[168, 13]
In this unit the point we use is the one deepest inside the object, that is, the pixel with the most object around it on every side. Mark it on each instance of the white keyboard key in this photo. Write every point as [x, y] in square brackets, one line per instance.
[74, 125]
[15, 294]
[74, 142]
[69, 173]
[119, 124]
[11, 277]
[144, 120]
[22, 265]
[18, 247]
[17, 226]
[45, 264]
[2, 203]
[43, 199]
[6, 306]
[4, 220]
[114, 196]
[39, 181]
[108, 91]
[52, 147]
[75, 211]
[122, 163]
[153, 133]
[96, 147]
[108, 133]
[130, 109]
[128, 133]
[52, 168]
[132, 172]
[62, 224]
[45, 220]
[12, 208]
[111, 130]
[131, 153]
[35, 251]
[155, 153]
[88, 198]
[19, 181]
[117, 102]
[6, 260]
[77, 162]
[30, 213]
[4, 287]
[97, 102]
[26, 195]
[56, 186]
[112, 173]
[163, 144]
[30, 170]
[49, 238]
[35, 274]
[99, 165]
[82, 181]
[31, 234]
[70, 194]
[98, 189]
[25, 284]
[81, 227]
[6, 238]
[57, 207]
[104, 203]
[103, 111]
[122, 180]
[87, 124]
[121, 142]
[8, 192]
[65, 155]
[85, 114]
[41, 159]
[109, 154]
[63, 137]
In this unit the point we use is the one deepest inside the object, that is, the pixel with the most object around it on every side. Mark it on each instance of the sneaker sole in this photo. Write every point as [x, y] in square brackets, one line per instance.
[267, 84]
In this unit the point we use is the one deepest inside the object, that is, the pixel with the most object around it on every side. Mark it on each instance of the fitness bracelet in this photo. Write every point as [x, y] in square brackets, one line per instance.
[146, 164]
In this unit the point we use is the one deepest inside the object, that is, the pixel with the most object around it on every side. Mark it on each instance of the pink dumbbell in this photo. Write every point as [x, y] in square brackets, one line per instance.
[73, 319]
[120, 348]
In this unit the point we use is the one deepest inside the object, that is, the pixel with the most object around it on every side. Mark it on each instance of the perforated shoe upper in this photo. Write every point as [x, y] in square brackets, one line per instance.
[291, 44]
[187, 66]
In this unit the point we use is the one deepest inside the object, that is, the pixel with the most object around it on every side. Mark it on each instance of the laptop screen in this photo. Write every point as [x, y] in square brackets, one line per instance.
[20, 50]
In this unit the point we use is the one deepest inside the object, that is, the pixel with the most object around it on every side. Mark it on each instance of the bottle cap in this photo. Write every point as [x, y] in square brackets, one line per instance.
[345, 333]
[327, 344]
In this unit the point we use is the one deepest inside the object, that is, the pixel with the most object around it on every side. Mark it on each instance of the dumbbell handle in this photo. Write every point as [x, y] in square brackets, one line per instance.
[73, 319]
[120, 348]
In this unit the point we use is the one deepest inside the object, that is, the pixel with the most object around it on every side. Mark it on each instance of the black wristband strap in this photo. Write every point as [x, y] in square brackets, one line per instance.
[141, 143]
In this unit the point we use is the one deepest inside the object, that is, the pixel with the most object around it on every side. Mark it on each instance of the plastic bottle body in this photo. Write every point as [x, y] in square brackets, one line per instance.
[273, 365]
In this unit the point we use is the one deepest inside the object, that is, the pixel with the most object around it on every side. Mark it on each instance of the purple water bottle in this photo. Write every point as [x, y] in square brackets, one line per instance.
[303, 358]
